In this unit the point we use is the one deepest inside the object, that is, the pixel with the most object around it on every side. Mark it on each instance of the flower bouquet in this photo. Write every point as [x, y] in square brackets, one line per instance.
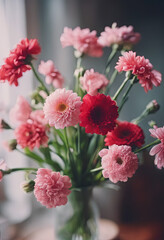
[75, 136]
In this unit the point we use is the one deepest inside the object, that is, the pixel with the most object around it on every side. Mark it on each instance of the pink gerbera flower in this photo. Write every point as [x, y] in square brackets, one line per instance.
[19, 60]
[158, 150]
[93, 81]
[31, 134]
[119, 163]
[20, 113]
[82, 40]
[51, 188]
[53, 76]
[62, 108]
[140, 67]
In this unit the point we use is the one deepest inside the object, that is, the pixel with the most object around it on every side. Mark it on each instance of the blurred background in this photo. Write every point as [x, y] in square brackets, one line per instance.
[140, 201]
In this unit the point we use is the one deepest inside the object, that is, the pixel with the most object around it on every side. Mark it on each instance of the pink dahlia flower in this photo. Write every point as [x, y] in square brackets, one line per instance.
[53, 76]
[82, 40]
[19, 60]
[62, 108]
[158, 150]
[39, 117]
[20, 113]
[140, 67]
[119, 163]
[3, 166]
[31, 134]
[51, 188]
[93, 81]
[122, 36]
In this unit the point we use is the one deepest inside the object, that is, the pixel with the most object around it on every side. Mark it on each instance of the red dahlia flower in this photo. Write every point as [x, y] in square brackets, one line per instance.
[98, 114]
[125, 133]
[19, 60]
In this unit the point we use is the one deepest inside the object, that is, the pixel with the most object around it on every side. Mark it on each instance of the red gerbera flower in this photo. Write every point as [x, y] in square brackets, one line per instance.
[125, 133]
[98, 114]
[19, 60]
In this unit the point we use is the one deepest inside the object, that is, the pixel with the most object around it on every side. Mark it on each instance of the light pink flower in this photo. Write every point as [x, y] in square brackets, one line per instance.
[31, 134]
[53, 76]
[3, 166]
[62, 108]
[20, 112]
[51, 188]
[140, 67]
[119, 163]
[122, 36]
[38, 116]
[158, 149]
[82, 40]
[93, 81]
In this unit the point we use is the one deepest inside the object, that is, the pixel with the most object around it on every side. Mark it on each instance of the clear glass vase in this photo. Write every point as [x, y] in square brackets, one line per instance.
[78, 219]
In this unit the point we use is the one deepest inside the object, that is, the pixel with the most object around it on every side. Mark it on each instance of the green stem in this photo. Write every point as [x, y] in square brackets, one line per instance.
[38, 78]
[148, 145]
[96, 169]
[110, 58]
[121, 88]
[127, 92]
[18, 169]
[113, 77]
[78, 64]
[79, 142]
[141, 117]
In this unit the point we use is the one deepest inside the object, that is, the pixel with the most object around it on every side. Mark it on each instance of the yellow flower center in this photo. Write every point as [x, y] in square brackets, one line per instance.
[61, 107]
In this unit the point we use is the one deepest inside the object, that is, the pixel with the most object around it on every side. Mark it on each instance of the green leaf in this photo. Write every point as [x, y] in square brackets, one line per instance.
[33, 155]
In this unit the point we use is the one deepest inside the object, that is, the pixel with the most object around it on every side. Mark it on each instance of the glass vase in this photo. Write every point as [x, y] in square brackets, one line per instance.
[78, 219]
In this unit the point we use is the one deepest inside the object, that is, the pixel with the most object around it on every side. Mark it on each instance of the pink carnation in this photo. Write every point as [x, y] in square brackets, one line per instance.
[38, 116]
[93, 81]
[82, 40]
[62, 108]
[122, 36]
[51, 188]
[158, 149]
[20, 112]
[53, 76]
[3, 166]
[31, 134]
[140, 67]
[119, 163]
[19, 60]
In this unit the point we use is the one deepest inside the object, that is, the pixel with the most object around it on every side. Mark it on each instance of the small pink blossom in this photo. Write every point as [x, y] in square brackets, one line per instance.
[39, 117]
[119, 163]
[82, 40]
[31, 134]
[51, 188]
[140, 67]
[3, 166]
[62, 108]
[158, 150]
[93, 81]
[53, 76]
[122, 36]
[20, 112]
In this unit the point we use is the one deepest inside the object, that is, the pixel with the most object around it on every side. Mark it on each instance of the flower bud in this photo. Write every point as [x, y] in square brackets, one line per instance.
[152, 107]
[28, 186]
[4, 125]
[152, 123]
[10, 145]
[79, 72]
